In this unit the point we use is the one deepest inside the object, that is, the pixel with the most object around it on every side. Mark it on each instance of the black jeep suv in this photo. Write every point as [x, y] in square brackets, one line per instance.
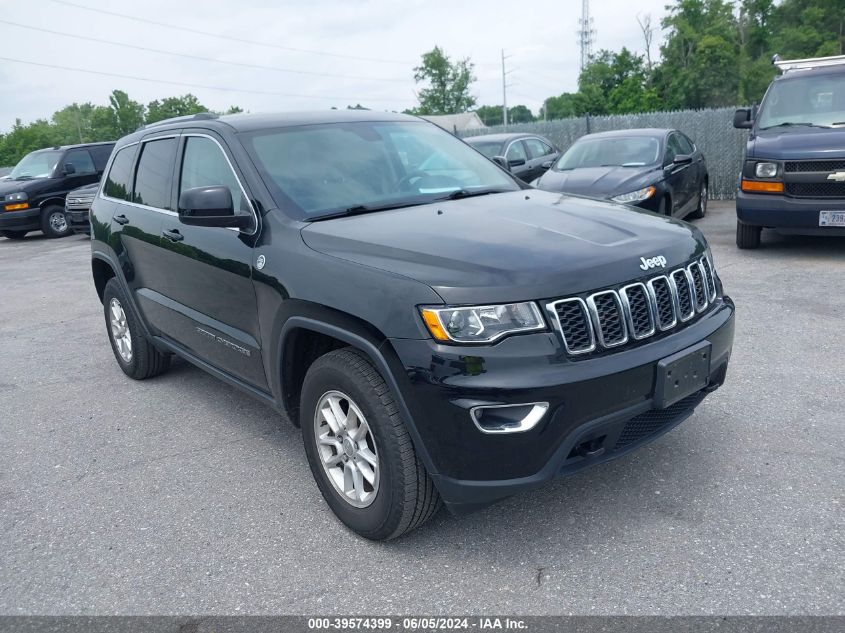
[32, 197]
[793, 179]
[438, 329]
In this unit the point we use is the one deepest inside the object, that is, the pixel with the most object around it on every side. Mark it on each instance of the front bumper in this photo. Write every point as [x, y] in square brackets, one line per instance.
[607, 402]
[26, 220]
[782, 212]
[78, 219]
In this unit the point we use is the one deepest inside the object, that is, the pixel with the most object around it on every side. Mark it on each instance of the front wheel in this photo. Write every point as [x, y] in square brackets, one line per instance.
[701, 209]
[747, 235]
[54, 223]
[359, 450]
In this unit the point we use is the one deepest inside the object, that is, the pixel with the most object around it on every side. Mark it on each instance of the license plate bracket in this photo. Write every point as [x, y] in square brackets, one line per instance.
[682, 374]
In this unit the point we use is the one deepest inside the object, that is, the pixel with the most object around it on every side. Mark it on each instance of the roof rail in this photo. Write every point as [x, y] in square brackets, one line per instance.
[200, 116]
[785, 65]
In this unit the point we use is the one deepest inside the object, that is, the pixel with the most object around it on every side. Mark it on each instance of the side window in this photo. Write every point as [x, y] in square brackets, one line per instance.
[100, 154]
[516, 151]
[205, 165]
[153, 177]
[686, 144]
[673, 148]
[119, 181]
[82, 162]
[537, 148]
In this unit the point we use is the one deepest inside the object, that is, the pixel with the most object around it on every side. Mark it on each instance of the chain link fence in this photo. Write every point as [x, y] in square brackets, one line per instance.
[723, 146]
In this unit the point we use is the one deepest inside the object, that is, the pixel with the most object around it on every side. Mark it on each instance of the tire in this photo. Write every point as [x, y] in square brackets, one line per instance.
[142, 359]
[396, 495]
[665, 207]
[747, 235]
[14, 235]
[54, 223]
[701, 210]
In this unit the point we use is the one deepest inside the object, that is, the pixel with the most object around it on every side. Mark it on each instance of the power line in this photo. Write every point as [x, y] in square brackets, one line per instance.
[227, 37]
[192, 85]
[197, 57]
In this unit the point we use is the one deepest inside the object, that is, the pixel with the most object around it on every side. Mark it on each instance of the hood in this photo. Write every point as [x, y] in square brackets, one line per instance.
[29, 186]
[797, 143]
[598, 182]
[508, 247]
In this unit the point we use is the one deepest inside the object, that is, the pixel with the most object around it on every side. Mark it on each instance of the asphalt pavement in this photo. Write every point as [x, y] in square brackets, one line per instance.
[182, 495]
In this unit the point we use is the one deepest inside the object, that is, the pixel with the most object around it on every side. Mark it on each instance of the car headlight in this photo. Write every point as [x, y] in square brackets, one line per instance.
[482, 324]
[16, 197]
[766, 170]
[635, 196]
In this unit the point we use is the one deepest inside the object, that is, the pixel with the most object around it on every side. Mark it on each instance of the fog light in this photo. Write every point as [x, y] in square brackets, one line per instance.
[508, 418]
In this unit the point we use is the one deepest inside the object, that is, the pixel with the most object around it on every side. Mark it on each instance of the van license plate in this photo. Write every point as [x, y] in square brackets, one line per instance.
[682, 374]
[831, 218]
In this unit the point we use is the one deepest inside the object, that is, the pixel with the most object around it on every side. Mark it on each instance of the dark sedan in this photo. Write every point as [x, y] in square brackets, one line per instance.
[528, 156]
[659, 170]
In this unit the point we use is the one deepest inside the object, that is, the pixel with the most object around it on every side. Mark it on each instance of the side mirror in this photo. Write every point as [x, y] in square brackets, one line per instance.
[516, 162]
[743, 119]
[69, 169]
[211, 206]
[502, 162]
[682, 159]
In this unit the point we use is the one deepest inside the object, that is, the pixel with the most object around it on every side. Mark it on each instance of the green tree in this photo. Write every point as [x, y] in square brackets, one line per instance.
[448, 84]
[520, 114]
[491, 115]
[127, 115]
[560, 107]
[173, 107]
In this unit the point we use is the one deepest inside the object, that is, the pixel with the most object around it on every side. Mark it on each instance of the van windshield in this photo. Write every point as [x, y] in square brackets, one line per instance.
[816, 101]
[36, 165]
[325, 170]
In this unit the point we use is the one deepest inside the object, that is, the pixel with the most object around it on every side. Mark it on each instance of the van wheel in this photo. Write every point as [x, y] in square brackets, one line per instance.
[136, 356]
[747, 235]
[14, 235]
[359, 450]
[701, 210]
[54, 223]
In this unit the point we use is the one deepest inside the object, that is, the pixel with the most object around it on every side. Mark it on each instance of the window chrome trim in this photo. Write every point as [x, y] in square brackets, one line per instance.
[626, 309]
[594, 313]
[552, 307]
[672, 298]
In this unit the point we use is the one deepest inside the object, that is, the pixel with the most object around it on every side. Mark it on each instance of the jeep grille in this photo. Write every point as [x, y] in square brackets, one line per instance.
[613, 318]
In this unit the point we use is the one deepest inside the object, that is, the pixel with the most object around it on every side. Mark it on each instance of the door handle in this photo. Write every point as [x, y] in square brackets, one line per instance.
[173, 236]
[121, 219]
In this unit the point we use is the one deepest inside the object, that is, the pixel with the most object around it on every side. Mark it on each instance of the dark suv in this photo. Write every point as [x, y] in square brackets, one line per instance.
[33, 194]
[793, 179]
[438, 329]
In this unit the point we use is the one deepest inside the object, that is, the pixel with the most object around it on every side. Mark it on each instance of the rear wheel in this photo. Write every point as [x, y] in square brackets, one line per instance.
[136, 356]
[14, 235]
[747, 235]
[359, 450]
[54, 223]
[701, 210]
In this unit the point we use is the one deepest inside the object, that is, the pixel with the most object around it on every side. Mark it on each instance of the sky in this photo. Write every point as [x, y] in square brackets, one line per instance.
[344, 51]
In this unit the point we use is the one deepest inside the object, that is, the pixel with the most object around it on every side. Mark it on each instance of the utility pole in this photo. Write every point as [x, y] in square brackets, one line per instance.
[504, 90]
[586, 33]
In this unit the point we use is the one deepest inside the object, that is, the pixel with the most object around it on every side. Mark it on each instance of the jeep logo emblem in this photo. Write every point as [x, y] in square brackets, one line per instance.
[653, 262]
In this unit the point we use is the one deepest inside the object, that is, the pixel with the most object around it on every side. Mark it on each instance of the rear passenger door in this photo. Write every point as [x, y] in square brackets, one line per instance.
[211, 305]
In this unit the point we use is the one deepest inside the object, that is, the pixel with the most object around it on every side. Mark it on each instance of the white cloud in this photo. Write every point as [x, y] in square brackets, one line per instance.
[539, 36]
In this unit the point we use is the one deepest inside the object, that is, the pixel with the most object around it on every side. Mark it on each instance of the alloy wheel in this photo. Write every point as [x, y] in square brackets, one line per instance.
[120, 330]
[58, 222]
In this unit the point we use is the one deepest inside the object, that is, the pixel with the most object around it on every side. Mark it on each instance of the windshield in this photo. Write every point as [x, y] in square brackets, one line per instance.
[632, 151]
[36, 165]
[319, 170]
[488, 148]
[818, 100]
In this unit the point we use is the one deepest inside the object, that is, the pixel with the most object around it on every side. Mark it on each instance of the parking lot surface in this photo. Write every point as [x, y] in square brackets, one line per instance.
[183, 495]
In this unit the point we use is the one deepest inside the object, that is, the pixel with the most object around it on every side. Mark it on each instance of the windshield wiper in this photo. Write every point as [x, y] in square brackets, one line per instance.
[24, 178]
[794, 124]
[466, 193]
[361, 209]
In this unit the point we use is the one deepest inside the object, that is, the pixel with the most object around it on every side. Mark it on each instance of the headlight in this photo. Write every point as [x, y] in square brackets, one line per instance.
[16, 197]
[635, 196]
[766, 170]
[482, 324]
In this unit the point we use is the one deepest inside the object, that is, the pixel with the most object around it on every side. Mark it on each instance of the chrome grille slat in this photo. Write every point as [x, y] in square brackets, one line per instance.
[610, 318]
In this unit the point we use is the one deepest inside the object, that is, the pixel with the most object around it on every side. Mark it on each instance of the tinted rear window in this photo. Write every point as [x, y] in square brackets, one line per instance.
[119, 181]
[154, 175]
[100, 154]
